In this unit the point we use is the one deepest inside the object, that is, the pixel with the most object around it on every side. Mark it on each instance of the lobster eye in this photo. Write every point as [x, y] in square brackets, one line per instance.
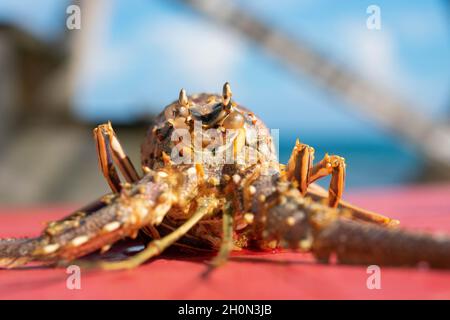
[211, 116]
[235, 120]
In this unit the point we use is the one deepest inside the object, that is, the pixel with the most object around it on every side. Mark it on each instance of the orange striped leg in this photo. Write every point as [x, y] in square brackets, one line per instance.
[300, 168]
[110, 152]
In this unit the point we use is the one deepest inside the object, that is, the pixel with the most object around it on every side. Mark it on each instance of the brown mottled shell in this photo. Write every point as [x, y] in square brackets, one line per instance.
[174, 116]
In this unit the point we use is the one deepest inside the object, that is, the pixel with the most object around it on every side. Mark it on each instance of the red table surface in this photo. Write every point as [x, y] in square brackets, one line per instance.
[426, 208]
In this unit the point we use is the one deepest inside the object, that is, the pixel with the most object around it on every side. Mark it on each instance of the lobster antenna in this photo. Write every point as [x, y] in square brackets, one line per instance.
[226, 94]
[183, 99]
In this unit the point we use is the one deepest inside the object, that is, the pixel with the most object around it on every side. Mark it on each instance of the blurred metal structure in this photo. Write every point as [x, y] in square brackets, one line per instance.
[23, 59]
[387, 110]
[46, 154]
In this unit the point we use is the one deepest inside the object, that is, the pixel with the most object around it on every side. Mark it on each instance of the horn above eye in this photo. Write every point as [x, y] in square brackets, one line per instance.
[183, 99]
[226, 94]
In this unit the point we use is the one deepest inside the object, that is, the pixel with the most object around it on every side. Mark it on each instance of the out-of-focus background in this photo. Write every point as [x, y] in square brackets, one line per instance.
[313, 69]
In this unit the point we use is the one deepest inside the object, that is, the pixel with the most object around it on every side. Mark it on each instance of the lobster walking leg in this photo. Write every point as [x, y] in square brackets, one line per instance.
[227, 238]
[109, 152]
[335, 166]
[300, 168]
[300, 165]
[105, 160]
[206, 206]
[317, 193]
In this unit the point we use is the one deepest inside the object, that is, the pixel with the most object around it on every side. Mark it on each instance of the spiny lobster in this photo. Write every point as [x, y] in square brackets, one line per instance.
[200, 191]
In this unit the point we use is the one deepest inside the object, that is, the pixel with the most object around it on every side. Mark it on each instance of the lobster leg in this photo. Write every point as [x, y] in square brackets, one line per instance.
[105, 161]
[227, 239]
[110, 151]
[335, 166]
[300, 168]
[206, 205]
[317, 193]
[300, 165]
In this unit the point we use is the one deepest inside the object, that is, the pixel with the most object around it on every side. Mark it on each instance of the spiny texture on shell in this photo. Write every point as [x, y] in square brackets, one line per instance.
[272, 205]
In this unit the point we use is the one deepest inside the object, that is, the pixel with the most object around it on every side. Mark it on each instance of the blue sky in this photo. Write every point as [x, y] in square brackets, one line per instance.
[142, 52]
